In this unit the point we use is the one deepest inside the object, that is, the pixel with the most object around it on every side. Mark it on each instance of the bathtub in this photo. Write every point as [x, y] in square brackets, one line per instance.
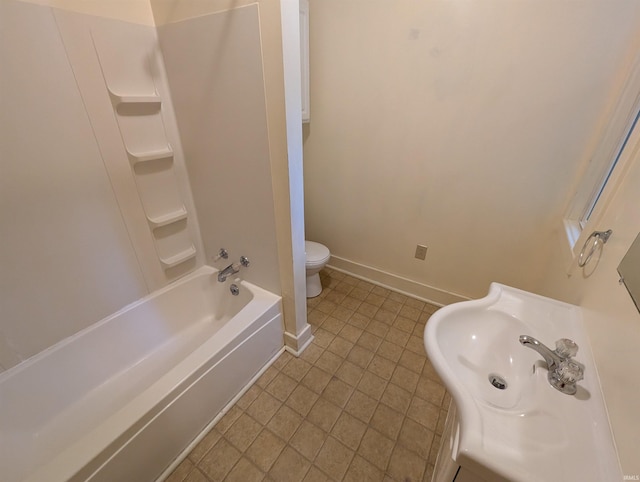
[123, 398]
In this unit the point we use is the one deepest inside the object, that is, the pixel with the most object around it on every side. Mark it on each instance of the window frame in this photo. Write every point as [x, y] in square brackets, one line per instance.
[618, 143]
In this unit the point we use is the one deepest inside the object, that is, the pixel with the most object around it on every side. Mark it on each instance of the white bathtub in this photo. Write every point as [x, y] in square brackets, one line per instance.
[120, 400]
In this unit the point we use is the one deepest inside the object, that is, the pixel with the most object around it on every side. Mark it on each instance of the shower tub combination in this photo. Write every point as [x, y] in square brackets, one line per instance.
[125, 397]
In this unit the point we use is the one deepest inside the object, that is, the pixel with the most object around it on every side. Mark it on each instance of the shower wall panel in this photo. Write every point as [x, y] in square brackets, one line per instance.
[66, 259]
[215, 69]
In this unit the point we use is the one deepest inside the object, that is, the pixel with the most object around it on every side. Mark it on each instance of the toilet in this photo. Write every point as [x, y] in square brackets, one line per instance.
[317, 257]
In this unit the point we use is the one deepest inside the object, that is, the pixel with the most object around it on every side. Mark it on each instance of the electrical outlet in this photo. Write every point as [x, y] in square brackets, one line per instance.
[421, 251]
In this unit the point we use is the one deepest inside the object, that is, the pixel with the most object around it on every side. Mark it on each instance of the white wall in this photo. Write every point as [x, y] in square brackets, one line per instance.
[230, 101]
[79, 241]
[290, 14]
[218, 93]
[125, 57]
[66, 257]
[106, 254]
[457, 124]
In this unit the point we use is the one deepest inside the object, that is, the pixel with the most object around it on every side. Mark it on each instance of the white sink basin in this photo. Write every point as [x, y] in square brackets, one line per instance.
[528, 431]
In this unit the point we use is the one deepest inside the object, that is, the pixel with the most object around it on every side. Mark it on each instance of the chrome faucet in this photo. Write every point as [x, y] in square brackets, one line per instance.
[232, 269]
[564, 371]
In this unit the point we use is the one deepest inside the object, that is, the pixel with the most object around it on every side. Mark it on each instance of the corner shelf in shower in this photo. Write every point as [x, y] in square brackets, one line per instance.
[141, 114]
[145, 99]
[181, 257]
[137, 157]
[169, 218]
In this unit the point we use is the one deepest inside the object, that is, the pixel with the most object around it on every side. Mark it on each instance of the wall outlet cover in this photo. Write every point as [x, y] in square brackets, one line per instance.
[421, 251]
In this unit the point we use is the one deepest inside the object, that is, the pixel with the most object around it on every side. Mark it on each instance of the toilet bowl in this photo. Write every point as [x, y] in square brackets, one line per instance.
[317, 257]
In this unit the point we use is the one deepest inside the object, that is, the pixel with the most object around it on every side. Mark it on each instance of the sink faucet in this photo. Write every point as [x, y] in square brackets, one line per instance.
[233, 268]
[564, 371]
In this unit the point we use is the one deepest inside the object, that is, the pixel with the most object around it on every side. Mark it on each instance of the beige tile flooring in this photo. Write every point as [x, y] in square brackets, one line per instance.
[362, 403]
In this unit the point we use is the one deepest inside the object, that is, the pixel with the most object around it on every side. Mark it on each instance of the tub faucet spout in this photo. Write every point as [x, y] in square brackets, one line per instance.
[232, 269]
[564, 371]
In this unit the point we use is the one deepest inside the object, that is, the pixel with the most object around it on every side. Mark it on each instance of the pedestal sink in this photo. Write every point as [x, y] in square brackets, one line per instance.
[506, 421]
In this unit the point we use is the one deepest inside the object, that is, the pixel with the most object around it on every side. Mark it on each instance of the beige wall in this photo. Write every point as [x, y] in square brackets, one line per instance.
[459, 125]
[612, 320]
[465, 126]
[171, 11]
[134, 11]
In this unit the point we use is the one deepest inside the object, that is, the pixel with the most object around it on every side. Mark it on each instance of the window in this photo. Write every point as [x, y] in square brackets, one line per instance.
[600, 187]
[605, 158]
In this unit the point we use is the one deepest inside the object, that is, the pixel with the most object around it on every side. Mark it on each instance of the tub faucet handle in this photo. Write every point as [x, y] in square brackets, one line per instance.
[223, 253]
[244, 261]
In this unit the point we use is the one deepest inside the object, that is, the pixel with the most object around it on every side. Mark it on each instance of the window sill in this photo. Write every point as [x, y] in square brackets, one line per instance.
[572, 230]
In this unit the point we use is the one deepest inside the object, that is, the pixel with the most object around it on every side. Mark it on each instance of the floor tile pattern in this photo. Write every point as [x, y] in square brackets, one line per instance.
[362, 403]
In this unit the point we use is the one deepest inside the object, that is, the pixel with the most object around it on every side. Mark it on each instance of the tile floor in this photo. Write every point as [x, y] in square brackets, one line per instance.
[362, 403]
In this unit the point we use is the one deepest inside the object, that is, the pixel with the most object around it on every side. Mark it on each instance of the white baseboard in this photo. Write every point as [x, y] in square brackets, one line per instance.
[394, 282]
[297, 344]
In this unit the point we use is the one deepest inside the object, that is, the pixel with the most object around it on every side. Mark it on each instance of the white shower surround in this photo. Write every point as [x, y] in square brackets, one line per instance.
[123, 398]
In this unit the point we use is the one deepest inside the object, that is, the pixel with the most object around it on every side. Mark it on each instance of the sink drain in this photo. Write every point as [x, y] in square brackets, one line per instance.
[497, 381]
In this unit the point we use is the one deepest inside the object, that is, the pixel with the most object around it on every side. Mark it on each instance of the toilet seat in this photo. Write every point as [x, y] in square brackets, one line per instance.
[316, 253]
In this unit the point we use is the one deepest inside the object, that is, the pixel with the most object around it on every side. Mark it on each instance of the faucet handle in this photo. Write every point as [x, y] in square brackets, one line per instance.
[566, 348]
[571, 371]
[221, 254]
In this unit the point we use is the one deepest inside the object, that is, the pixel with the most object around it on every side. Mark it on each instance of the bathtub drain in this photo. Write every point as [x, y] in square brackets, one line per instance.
[234, 289]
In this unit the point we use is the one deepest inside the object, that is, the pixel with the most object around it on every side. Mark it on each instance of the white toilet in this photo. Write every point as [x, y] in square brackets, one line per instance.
[317, 257]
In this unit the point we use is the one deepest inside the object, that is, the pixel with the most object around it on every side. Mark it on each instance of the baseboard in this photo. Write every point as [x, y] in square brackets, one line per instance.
[394, 282]
[297, 344]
